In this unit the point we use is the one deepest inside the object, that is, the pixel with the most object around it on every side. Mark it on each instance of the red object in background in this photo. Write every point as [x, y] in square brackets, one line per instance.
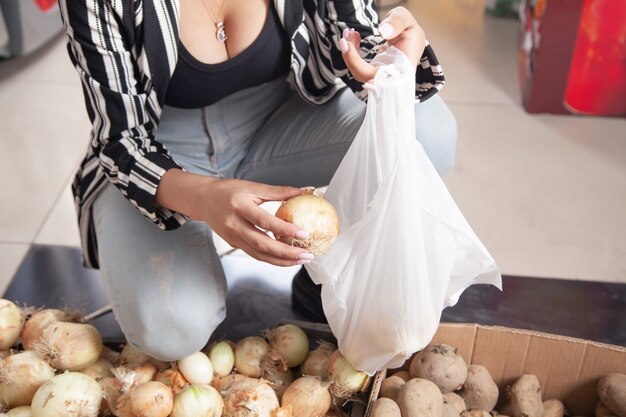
[46, 5]
[597, 78]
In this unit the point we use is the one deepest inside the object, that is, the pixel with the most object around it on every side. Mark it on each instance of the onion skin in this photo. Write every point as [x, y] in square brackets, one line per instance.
[99, 370]
[70, 394]
[315, 215]
[21, 375]
[250, 398]
[152, 399]
[316, 363]
[111, 391]
[10, 324]
[249, 355]
[308, 396]
[222, 357]
[173, 379]
[22, 411]
[130, 356]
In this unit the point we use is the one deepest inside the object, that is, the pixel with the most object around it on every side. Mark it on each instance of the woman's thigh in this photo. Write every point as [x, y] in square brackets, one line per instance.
[167, 288]
[302, 144]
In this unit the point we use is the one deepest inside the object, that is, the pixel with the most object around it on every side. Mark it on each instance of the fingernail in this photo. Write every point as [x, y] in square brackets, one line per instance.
[386, 30]
[301, 234]
[346, 33]
[306, 256]
[343, 45]
[307, 188]
[303, 262]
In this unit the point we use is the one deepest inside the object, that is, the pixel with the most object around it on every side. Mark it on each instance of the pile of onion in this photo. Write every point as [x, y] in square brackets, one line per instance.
[315, 215]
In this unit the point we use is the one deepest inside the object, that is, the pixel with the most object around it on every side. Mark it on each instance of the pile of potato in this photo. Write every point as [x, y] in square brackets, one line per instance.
[437, 382]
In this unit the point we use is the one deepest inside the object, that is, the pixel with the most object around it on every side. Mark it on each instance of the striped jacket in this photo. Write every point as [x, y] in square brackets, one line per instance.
[125, 52]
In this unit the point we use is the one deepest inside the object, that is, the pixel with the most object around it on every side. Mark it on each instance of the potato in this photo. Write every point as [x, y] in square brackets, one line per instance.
[442, 365]
[403, 374]
[479, 391]
[612, 392]
[553, 408]
[603, 411]
[525, 398]
[391, 386]
[420, 397]
[456, 400]
[385, 407]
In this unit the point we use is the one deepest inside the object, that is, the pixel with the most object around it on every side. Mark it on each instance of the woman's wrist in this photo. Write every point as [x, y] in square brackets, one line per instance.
[181, 191]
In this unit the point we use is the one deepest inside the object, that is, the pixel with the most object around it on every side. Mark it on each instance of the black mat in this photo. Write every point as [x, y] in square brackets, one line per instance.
[52, 276]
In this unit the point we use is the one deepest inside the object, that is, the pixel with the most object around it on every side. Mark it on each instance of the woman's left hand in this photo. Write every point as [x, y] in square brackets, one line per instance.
[399, 28]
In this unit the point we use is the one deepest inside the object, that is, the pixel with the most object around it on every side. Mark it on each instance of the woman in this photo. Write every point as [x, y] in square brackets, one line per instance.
[250, 103]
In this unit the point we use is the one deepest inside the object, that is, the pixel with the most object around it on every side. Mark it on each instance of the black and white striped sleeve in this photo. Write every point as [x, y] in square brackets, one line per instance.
[122, 134]
[361, 16]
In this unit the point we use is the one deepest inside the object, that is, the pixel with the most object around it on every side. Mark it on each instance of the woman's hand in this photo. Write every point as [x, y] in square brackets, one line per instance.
[399, 28]
[231, 209]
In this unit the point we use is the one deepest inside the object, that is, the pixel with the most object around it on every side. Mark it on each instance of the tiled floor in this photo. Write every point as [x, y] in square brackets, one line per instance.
[545, 193]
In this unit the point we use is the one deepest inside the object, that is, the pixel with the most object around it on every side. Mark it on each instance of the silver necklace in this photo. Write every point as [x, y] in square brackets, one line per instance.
[220, 32]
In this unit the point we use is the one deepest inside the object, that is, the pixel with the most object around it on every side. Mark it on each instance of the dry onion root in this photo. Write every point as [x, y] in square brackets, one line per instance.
[316, 363]
[70, 394]
[20, 377]
[346, 380]
[10, 324]
[315, 215]
[308, 396]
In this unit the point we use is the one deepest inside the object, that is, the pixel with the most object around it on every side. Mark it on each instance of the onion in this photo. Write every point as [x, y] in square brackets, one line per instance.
[70, 346]
[152, 399]
[131, 356]
[316, 363]
[279, 379]
[136, 375]
[124, 408]
[226, 382]
[111, 391]
[99, 370]
[315, 215]
[308, 396]
[20, 377]
[222, 357]
[70, 394]
[173, 379]
[35, 325]
[196, 368]
[290, 342]
[10, 324]
[198, 401]
[249, 354]
[23, 411]
[250, 398]
[345, 378]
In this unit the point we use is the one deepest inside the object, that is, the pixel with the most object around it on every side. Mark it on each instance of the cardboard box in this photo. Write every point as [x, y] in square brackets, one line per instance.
[568, 369]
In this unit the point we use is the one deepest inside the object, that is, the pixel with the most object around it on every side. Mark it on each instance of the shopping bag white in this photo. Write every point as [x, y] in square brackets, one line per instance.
[404, 251]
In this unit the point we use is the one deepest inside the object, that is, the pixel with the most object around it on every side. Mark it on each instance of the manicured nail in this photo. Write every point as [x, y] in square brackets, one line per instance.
[307, 188]
[306, 256]
[386, 30]
[343, 45]
[301, 234]
[346, 33]
[303, 262]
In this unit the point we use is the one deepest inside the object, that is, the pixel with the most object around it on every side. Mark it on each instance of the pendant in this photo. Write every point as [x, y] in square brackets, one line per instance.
[220, 33]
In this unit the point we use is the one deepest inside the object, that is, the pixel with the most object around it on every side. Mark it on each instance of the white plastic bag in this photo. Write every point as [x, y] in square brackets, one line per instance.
[405, 251]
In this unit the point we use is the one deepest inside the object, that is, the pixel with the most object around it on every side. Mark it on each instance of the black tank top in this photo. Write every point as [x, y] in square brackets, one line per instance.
[196, 84]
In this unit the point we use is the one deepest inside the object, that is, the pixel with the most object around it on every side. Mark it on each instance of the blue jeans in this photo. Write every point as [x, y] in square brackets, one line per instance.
[173, 282]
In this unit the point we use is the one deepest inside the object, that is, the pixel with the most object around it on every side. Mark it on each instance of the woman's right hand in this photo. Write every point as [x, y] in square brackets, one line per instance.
[231, 208]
